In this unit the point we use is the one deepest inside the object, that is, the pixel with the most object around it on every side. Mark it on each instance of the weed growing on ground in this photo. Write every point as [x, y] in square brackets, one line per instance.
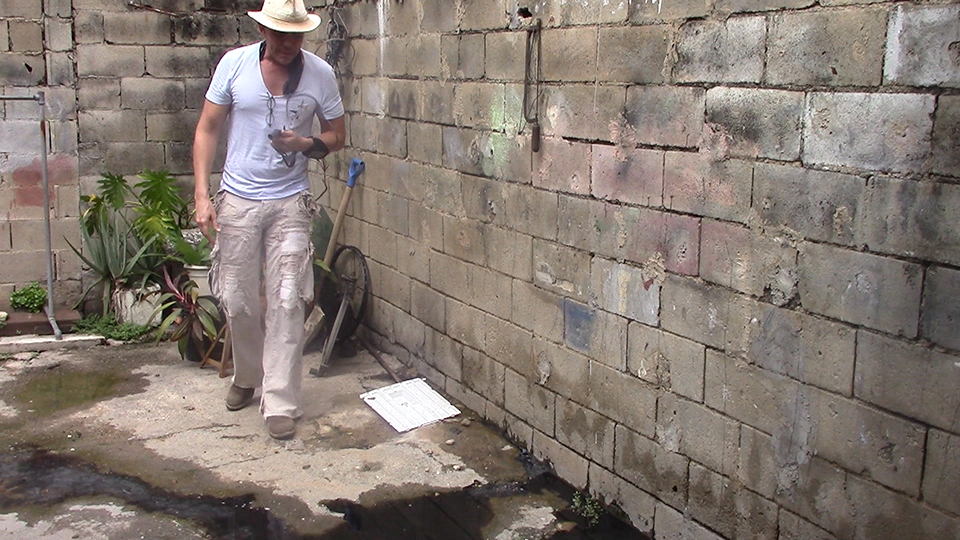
[588, 508]
[31, 298]
[109, 328]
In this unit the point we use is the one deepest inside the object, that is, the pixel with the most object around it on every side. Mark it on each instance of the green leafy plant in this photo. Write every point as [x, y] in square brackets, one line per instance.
[191, 316]
[589, 508]
[31, 298]
[108, 327]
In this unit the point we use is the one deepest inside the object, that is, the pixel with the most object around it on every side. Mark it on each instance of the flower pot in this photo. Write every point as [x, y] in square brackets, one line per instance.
[199, 274]
[136, 306]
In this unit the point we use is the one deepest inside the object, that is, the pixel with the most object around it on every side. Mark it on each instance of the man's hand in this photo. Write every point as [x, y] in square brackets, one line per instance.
[287, 141]
[206, 218]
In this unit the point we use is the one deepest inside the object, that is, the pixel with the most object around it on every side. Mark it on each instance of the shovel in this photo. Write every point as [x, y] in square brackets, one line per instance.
[315, 320]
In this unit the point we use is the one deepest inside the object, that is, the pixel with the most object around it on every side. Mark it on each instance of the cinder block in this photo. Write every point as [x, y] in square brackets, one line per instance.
[490, 291]
[490, 15]
[5, 240]
[518, 431]
[537, 310]
[474, 402]
[425, 143]
[425, 50]
[400, 19]
[702, 185]
[181, 62]
[509, 252]
[22, 69]
[437, 17]
[913, 219]
[942, 471]
[426, 226]
[27, 9]
[374, 98]
[562, 270]
[919, 46]
[731, 50]
[582, 223]
[410, 333]
[509, 344]
[758, 462]
[583, 111]
[125, 158]
[392, 286]
[402, 99]
[479, 105]
[392, 137]
[177, 126]
[59, 34]
[877, 292]
[366, 57]
[658, 10]
[484, 375]
[561, 370]
[445, 354]
[827, 48]
[706, 314]
[566, 57]
[908, 379]
[812, 350]
[398, 56]
[569, 465]
[940, 311]
[817, 491]
[4, 41]
[586, 432]
[756, 122]
[110, 60]
[672, 525]
[887, 132]
[18, 135]
[532, 211]
[730, 508]
[794, 527]
[88, 27]
[28, 235]
[820, 205]
[620, 396]
[946, 136]
[427, 305]
[195, 90]
[112, 126]
[466, 324]
[750, 261]
[758, 398]
[652, 237]
[206, 29]
[139, 27]
[362, 18]
[462, 56]
[665, 360]
[463, 239]
[382, 245]
[652, 468]
[25, 36]
[529, 401]
[882, 513]
[620, 59]
[699, 433]
[363, 132]
[505, 59]
[23, 266]
[152, 94]
[597, 334]
[564, 166]
[60, 69]
[625, 290]
[413, 259]
[511, 157]
[636, 504]
[630, 175]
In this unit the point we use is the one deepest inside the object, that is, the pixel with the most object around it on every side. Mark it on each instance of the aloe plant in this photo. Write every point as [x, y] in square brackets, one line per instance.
[116, 255]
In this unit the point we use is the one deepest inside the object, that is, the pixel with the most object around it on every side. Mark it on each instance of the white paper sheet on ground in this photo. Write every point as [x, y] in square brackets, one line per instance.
[409, 404]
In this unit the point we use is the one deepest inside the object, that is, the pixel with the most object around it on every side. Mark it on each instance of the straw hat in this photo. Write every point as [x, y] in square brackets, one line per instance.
[285, 16]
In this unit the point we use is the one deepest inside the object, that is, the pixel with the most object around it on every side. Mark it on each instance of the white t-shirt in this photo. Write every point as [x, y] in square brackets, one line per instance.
[254, 169]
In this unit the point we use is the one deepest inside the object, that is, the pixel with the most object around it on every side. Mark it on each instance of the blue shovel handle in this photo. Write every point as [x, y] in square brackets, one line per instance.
[356, 169]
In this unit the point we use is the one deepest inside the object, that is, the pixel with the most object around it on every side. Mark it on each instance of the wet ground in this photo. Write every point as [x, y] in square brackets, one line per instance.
[133, 442]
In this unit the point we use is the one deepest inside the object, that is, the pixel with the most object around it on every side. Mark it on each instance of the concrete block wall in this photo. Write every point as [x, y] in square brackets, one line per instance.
[722, 296]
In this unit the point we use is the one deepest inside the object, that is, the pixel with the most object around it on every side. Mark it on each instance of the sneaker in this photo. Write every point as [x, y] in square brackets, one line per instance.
[238, 398]
[281, 427]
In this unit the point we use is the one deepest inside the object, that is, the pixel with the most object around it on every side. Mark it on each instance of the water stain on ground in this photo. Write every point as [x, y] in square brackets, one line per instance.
[34, 479]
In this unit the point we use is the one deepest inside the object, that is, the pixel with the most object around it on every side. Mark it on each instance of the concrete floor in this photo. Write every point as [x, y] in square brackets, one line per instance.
[140, 415]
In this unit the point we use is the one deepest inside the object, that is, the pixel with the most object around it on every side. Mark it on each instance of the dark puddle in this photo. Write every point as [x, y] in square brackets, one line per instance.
[58, 389]
[37, 479]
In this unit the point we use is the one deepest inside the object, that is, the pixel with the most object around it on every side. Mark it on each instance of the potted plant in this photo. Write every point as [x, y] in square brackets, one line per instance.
[194, 318]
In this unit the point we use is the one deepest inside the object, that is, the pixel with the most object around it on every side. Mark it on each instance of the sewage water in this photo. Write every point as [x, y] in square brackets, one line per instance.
[34, 480]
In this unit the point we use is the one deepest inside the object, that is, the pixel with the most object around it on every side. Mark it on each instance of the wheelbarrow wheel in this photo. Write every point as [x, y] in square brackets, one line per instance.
[353, 280]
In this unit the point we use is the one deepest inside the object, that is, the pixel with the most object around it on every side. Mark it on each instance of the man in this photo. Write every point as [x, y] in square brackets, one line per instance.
[261, 218]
